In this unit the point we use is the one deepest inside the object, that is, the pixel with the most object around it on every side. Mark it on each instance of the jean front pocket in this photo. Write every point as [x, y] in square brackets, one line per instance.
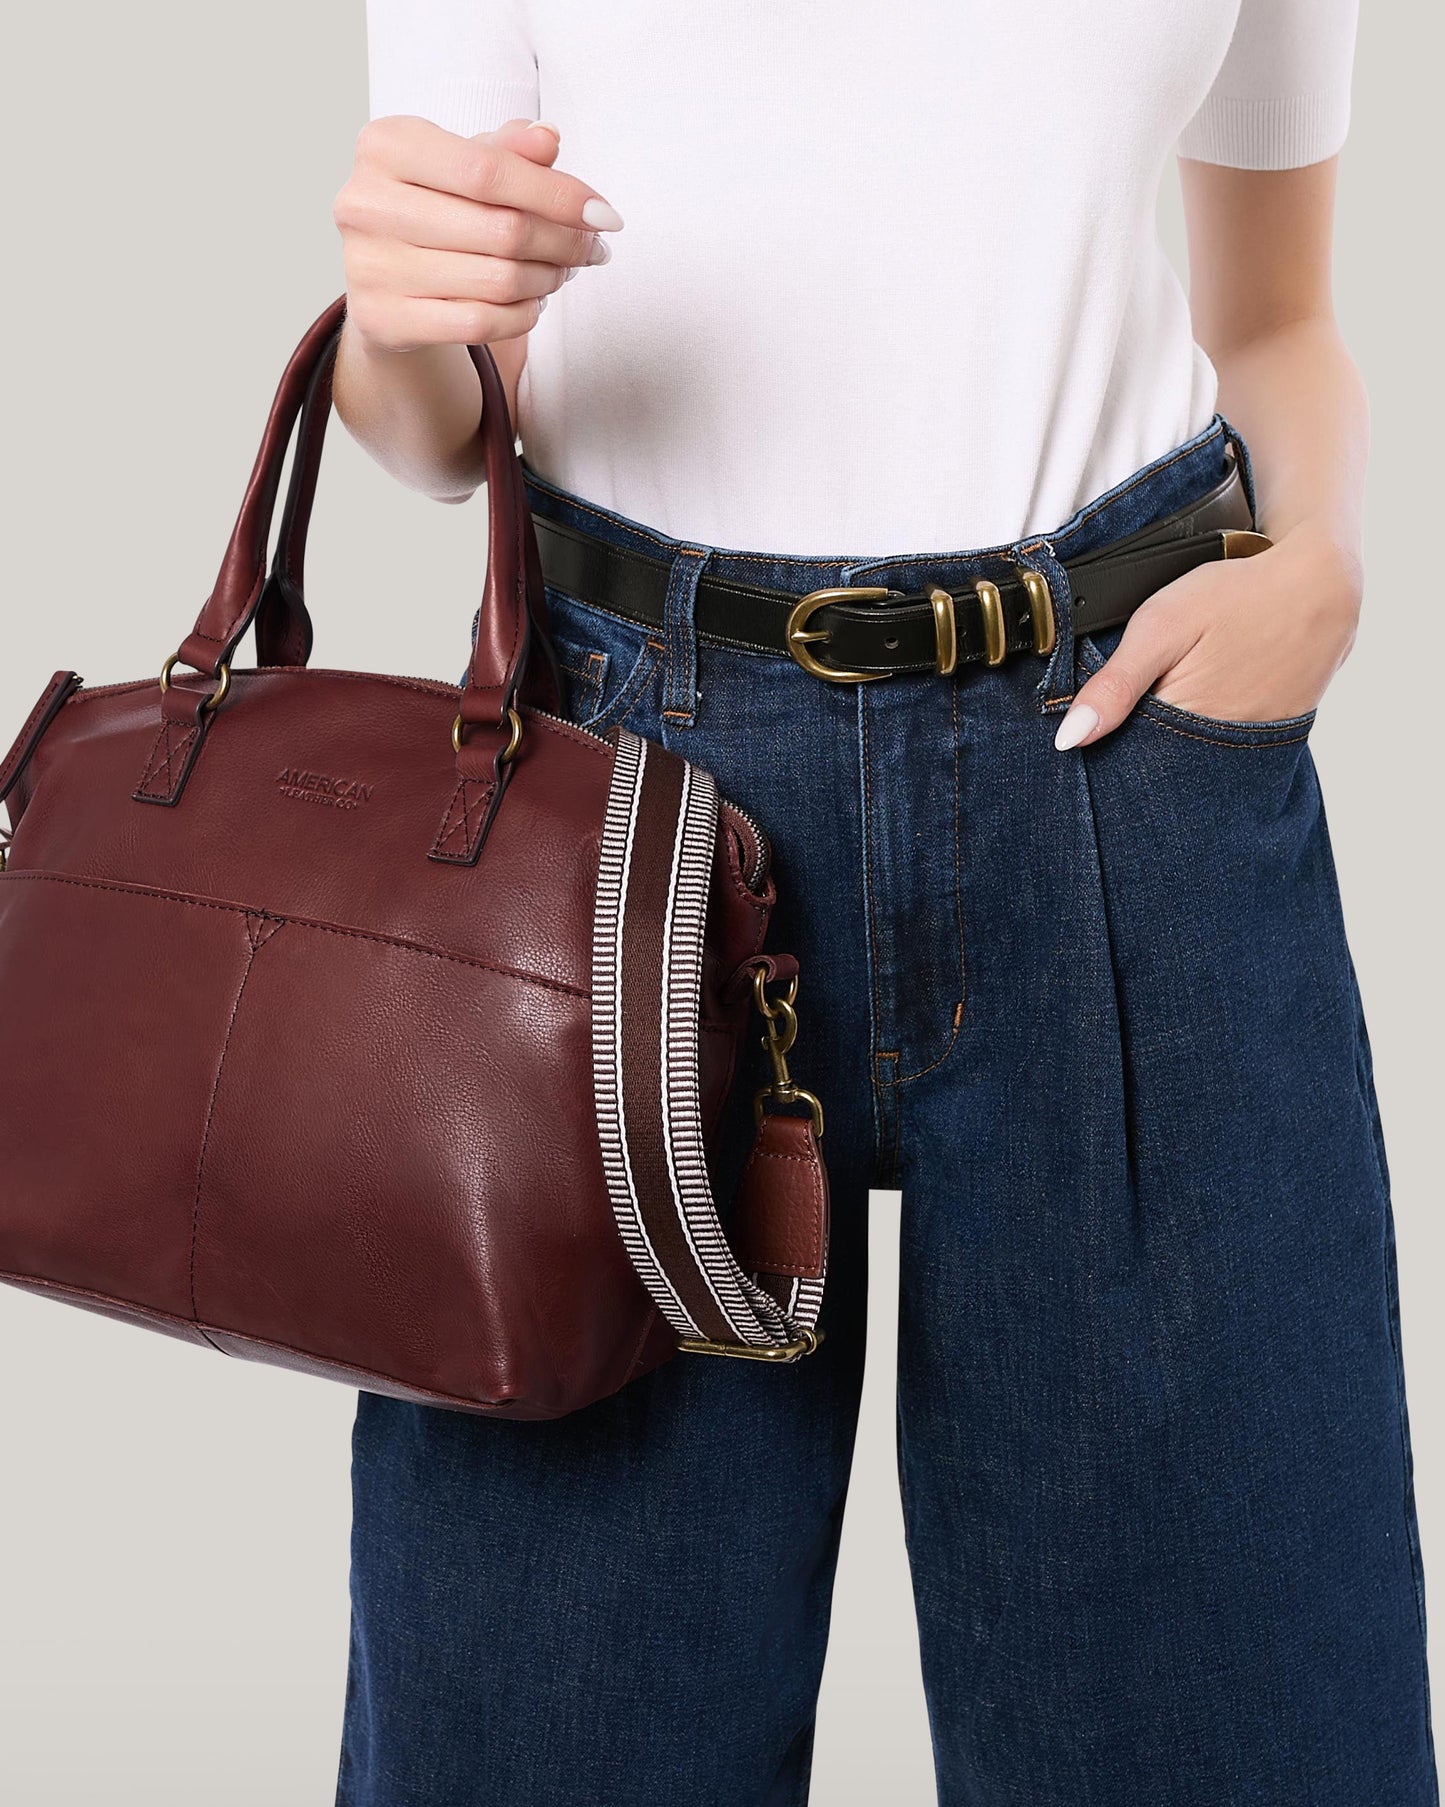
[607, 664]
[1095, 649]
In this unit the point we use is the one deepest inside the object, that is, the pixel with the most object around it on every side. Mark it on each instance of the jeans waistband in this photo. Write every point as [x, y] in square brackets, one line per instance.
[1158, 489]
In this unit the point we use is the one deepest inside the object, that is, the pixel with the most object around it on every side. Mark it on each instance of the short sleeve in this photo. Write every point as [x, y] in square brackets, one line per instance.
[466, 65]
[1282, 97]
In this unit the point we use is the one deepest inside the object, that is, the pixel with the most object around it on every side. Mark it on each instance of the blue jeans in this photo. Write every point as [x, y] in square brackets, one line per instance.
[1095, 1015]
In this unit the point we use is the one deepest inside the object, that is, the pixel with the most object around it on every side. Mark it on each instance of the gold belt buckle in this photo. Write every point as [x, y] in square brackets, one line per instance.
[801, 638]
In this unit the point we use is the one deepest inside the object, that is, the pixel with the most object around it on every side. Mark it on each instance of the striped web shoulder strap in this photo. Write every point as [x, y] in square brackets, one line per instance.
[658, 846]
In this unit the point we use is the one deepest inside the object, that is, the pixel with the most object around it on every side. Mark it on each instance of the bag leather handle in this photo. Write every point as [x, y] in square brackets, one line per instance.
[512, 603]
[284, 633]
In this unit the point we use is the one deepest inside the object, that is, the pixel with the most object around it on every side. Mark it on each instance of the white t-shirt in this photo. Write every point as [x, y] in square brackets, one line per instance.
[889, 279]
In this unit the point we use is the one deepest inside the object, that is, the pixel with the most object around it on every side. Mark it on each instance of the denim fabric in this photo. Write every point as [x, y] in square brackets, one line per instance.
[1095, 1014]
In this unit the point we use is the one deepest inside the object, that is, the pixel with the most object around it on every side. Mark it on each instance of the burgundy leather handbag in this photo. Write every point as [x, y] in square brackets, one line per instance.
[381, 1028]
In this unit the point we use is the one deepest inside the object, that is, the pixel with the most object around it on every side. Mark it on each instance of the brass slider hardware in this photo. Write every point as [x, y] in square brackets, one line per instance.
[754, 1352]
[995, 631]
[800, 637]
[1041, 609]
[782, 1031]
[945, 624]
[217, 696]
[509, 752]
[1240, 542]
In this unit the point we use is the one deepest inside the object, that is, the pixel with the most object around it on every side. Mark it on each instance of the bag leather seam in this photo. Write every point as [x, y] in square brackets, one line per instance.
[156, 894]
[210, 1118]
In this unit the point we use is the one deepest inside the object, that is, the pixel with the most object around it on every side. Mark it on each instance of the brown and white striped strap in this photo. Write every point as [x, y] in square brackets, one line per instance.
[658, 846]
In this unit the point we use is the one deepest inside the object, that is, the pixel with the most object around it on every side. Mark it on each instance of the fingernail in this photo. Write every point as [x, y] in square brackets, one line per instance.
[597, 214]
[1077, 726]
[601, 252]
[541, 304]
[545, 125]
[571, 272]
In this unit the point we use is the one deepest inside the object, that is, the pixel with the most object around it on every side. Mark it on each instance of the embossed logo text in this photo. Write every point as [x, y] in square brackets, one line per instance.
[317, 787]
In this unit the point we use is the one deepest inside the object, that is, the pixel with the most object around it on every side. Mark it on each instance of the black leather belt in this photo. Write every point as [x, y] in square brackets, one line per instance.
[854, 634]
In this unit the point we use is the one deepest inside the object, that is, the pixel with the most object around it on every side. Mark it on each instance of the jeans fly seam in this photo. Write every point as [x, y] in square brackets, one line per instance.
[870, 926]
[958, 1009]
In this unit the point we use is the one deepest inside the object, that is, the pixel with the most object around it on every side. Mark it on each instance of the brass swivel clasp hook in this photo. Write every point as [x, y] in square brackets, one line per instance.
[780, 1032]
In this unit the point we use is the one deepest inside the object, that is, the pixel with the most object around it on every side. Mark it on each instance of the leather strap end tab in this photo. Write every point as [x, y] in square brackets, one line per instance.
[781, 1224]
[777, 969]
[184, 720]
[464, 826]
[52, 700]
[482, 774]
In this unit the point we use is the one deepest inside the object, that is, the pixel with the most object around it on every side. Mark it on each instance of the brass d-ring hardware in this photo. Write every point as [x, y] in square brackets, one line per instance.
[804, 1344]
[1041, 609]
[995, 631]
[217, 696]
[945, 627]
[509, 752]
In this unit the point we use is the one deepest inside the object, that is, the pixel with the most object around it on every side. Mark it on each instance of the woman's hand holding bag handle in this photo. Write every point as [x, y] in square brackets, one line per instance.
[361, 1025]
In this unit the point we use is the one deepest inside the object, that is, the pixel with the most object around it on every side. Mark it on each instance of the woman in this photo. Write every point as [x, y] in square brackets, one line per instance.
[889, 314]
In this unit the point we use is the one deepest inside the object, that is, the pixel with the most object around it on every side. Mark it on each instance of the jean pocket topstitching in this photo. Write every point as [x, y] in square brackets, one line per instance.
[1215, 730]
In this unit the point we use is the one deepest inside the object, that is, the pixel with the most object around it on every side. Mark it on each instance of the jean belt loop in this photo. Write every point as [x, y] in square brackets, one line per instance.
[1060, 679]
[1246, 466]
[679, 700]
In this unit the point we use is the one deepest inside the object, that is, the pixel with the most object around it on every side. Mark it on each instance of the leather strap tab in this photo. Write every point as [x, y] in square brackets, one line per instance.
[781, 1222]
[52, 700]
[184, 720]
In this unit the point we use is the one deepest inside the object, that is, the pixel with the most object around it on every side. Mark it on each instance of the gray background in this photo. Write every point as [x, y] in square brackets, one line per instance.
[173, 1526]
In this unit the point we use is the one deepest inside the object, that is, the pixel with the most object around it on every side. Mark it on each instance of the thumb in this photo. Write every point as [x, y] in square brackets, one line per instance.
[535, 139]
[1154, 640]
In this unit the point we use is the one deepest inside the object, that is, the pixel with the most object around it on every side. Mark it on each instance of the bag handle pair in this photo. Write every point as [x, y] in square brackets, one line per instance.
[512, 616]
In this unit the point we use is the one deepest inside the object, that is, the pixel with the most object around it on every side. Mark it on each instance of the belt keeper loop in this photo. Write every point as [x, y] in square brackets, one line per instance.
[1041, 609]
[995, 628]
[945, 624]
[679, 702]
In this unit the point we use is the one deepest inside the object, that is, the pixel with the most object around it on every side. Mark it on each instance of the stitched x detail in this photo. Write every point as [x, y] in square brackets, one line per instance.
[462, 827]
[172, 744]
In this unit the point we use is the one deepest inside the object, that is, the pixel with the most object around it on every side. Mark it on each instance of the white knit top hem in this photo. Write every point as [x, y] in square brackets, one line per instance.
[1283, 133]
[468, 107]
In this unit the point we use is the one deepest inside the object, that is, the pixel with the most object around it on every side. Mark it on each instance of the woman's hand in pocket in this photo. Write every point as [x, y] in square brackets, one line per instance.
[1249, 640]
